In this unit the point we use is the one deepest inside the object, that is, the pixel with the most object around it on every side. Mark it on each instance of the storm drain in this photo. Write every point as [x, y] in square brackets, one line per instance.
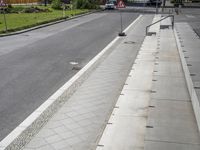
[129, 42]
[75, 65]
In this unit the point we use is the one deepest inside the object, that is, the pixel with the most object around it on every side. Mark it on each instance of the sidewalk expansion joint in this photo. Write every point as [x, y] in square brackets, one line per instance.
[171, 142]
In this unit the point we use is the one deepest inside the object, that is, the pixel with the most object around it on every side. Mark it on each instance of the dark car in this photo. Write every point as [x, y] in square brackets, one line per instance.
[153, 2]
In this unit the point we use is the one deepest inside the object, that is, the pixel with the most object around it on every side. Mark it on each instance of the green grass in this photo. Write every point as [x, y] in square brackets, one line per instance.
[21, 21]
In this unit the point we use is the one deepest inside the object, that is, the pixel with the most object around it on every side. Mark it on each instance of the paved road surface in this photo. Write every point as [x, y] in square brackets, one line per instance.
[35, 64]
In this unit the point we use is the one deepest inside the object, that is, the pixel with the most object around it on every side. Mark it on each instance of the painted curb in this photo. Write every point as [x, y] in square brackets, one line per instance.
[48, 24]
[190, 85]
[23, 133]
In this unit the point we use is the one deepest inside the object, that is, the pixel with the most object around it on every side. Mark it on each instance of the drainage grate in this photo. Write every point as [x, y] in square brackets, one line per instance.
[76, 68]
[149, 126]
[153, 91]
[192, 74]
[75, 65]
[129, 42]
[152, 106]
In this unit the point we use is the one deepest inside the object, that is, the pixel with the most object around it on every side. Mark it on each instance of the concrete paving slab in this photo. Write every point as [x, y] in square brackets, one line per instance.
[135, 83]
[133, 103]
[165, 110]
[189, 43]
[126, 126]
[171, 123]
[168, 68]
[158, 145]
[142, 67]
[146, 56]
[127, 133]
[190, 58]
[173, 88]
[169, 135]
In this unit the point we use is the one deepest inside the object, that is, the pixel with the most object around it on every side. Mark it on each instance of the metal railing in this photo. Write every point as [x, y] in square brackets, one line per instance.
[172, 16]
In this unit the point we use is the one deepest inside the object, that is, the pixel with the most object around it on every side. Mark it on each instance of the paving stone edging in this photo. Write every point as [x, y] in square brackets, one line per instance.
[190, 85]
[23, 133]
[48, 24]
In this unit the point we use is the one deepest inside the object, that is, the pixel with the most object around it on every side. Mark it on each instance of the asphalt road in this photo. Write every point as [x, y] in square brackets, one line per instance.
[35, 64]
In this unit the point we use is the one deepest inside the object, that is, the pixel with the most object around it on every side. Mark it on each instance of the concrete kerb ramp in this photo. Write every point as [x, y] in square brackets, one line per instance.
[190, 84]
[22, 134]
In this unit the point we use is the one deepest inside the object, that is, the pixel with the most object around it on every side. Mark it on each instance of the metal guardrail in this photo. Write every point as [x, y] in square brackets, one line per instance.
[172, 16]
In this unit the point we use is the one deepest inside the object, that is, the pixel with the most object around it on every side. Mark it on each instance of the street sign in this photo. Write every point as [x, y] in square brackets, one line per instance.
[120, 4]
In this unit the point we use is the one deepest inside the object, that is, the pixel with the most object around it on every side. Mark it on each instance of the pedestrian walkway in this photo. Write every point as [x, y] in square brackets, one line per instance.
[189, 45]
[171, 121]
[78, 125]
[127, 124]
[154, 111]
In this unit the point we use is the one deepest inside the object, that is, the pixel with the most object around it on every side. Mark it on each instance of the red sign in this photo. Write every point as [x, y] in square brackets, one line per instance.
[120, 4]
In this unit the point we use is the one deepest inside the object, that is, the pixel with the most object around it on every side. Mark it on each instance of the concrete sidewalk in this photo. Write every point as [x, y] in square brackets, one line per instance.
[155, 110]
[78, 125]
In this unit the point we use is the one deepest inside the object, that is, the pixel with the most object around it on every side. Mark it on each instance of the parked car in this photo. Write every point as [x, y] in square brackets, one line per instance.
[153, 2]
[110, 5]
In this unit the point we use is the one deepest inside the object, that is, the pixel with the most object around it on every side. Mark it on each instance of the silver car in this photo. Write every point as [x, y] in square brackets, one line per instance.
[110, 5]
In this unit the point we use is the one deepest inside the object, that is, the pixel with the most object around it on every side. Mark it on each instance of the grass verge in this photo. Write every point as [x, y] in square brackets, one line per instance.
[16, 22]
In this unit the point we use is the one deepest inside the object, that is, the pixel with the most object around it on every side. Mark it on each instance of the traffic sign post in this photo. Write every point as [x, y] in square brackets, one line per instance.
[3, 6]
[120, 5]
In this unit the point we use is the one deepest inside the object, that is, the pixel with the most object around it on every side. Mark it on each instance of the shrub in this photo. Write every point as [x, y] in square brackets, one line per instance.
[85, 4]
[21, 9]
[56, 4]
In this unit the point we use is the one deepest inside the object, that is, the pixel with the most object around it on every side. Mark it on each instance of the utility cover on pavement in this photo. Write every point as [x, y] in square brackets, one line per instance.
[120, 4]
